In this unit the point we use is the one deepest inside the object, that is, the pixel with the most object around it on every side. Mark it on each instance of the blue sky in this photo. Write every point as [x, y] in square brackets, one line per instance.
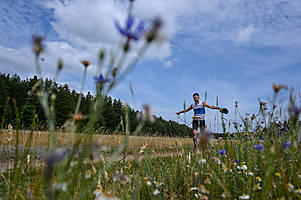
[232, 49]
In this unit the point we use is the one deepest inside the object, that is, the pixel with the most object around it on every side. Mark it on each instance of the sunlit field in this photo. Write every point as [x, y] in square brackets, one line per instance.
[251, 167]
[257, 156]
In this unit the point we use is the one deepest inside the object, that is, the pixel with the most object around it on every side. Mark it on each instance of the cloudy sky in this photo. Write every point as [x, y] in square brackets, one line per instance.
[231, 49]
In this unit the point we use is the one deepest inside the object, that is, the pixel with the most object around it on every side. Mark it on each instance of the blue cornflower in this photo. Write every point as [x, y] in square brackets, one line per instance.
[261, 138]
[287, 145]
[222, 152]
[259, 147]
[237, 162]
[131, 35]
[100, 79]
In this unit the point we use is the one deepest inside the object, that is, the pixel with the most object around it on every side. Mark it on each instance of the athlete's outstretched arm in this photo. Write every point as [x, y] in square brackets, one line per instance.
[212, 107]
[186, 110]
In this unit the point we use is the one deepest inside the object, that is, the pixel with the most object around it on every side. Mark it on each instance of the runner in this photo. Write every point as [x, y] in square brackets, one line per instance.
[199, 115]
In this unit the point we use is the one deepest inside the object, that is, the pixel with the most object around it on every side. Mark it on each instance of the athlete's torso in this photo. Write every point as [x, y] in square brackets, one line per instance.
[199, 110]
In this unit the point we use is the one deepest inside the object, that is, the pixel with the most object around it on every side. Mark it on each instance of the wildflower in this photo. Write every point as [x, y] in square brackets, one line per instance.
[224, 195]
[156, 192]
[204, 138]
[203, 189]
[121, 177]
[262, 105]
[194, 188]
[102, 54]
[244, 167]
[104, 195]
[244, 196]
[189, 158]
[202, 161]
[261, 138]
[259, 147]
[236, 162]
[298, 191]
[60, 64]
[51, 160]
[153, 33]
[100, 80]
[277, 174]
[257, 187]
[28, 159]
[158, 184]
[217, 160]
[289, 187]
[148, 183]
[277, 88]
[250, 174]
[60, 186]
[287, 145]
[236, 104]
[148, 115]
[222, 152]
[85, 63]
[88, 174]
[79, 117]
[258, 179]
[131, 35]
[235, 124]
[207, 181]
[37, 45]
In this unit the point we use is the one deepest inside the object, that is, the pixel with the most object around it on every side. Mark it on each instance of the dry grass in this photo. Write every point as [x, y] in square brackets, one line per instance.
[67, 139]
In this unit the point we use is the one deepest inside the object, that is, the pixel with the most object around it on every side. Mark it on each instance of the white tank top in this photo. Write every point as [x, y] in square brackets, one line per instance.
[199, 111]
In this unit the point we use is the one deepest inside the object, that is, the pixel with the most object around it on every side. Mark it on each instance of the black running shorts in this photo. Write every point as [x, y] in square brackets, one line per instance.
[198, 123]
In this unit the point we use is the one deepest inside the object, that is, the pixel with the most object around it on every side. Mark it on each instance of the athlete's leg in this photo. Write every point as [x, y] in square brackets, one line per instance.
[194, 137]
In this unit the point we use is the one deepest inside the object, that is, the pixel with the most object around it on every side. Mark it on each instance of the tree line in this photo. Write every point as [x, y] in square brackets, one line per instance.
[18, 100]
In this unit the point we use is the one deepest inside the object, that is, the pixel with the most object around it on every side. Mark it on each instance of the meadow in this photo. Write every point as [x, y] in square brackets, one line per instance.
[260, 159]
[119, 167]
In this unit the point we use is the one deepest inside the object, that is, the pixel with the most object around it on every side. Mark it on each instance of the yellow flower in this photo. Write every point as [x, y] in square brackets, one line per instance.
[244, 196]
[277, 174]
[257, 187]
[258, 178]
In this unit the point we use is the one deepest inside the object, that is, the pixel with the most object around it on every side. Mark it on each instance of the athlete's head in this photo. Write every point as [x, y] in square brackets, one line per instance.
[196, 97]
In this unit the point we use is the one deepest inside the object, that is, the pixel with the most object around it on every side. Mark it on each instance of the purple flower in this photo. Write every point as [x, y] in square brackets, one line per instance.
[259, 147]
[127, 32]
[261, 138]
[222, 152]
[100, 79]
[287, 145]
[237, 162]
[51, 160]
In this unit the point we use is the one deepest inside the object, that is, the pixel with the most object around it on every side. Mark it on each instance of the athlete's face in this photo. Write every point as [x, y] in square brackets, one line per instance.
[196, 98]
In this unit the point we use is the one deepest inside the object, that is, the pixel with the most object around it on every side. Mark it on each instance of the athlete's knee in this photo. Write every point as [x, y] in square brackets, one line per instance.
[194, 133]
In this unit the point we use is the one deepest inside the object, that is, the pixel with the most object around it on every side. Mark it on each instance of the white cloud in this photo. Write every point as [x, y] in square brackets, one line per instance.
[87, 21]
[21, 61]
[244, 35]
